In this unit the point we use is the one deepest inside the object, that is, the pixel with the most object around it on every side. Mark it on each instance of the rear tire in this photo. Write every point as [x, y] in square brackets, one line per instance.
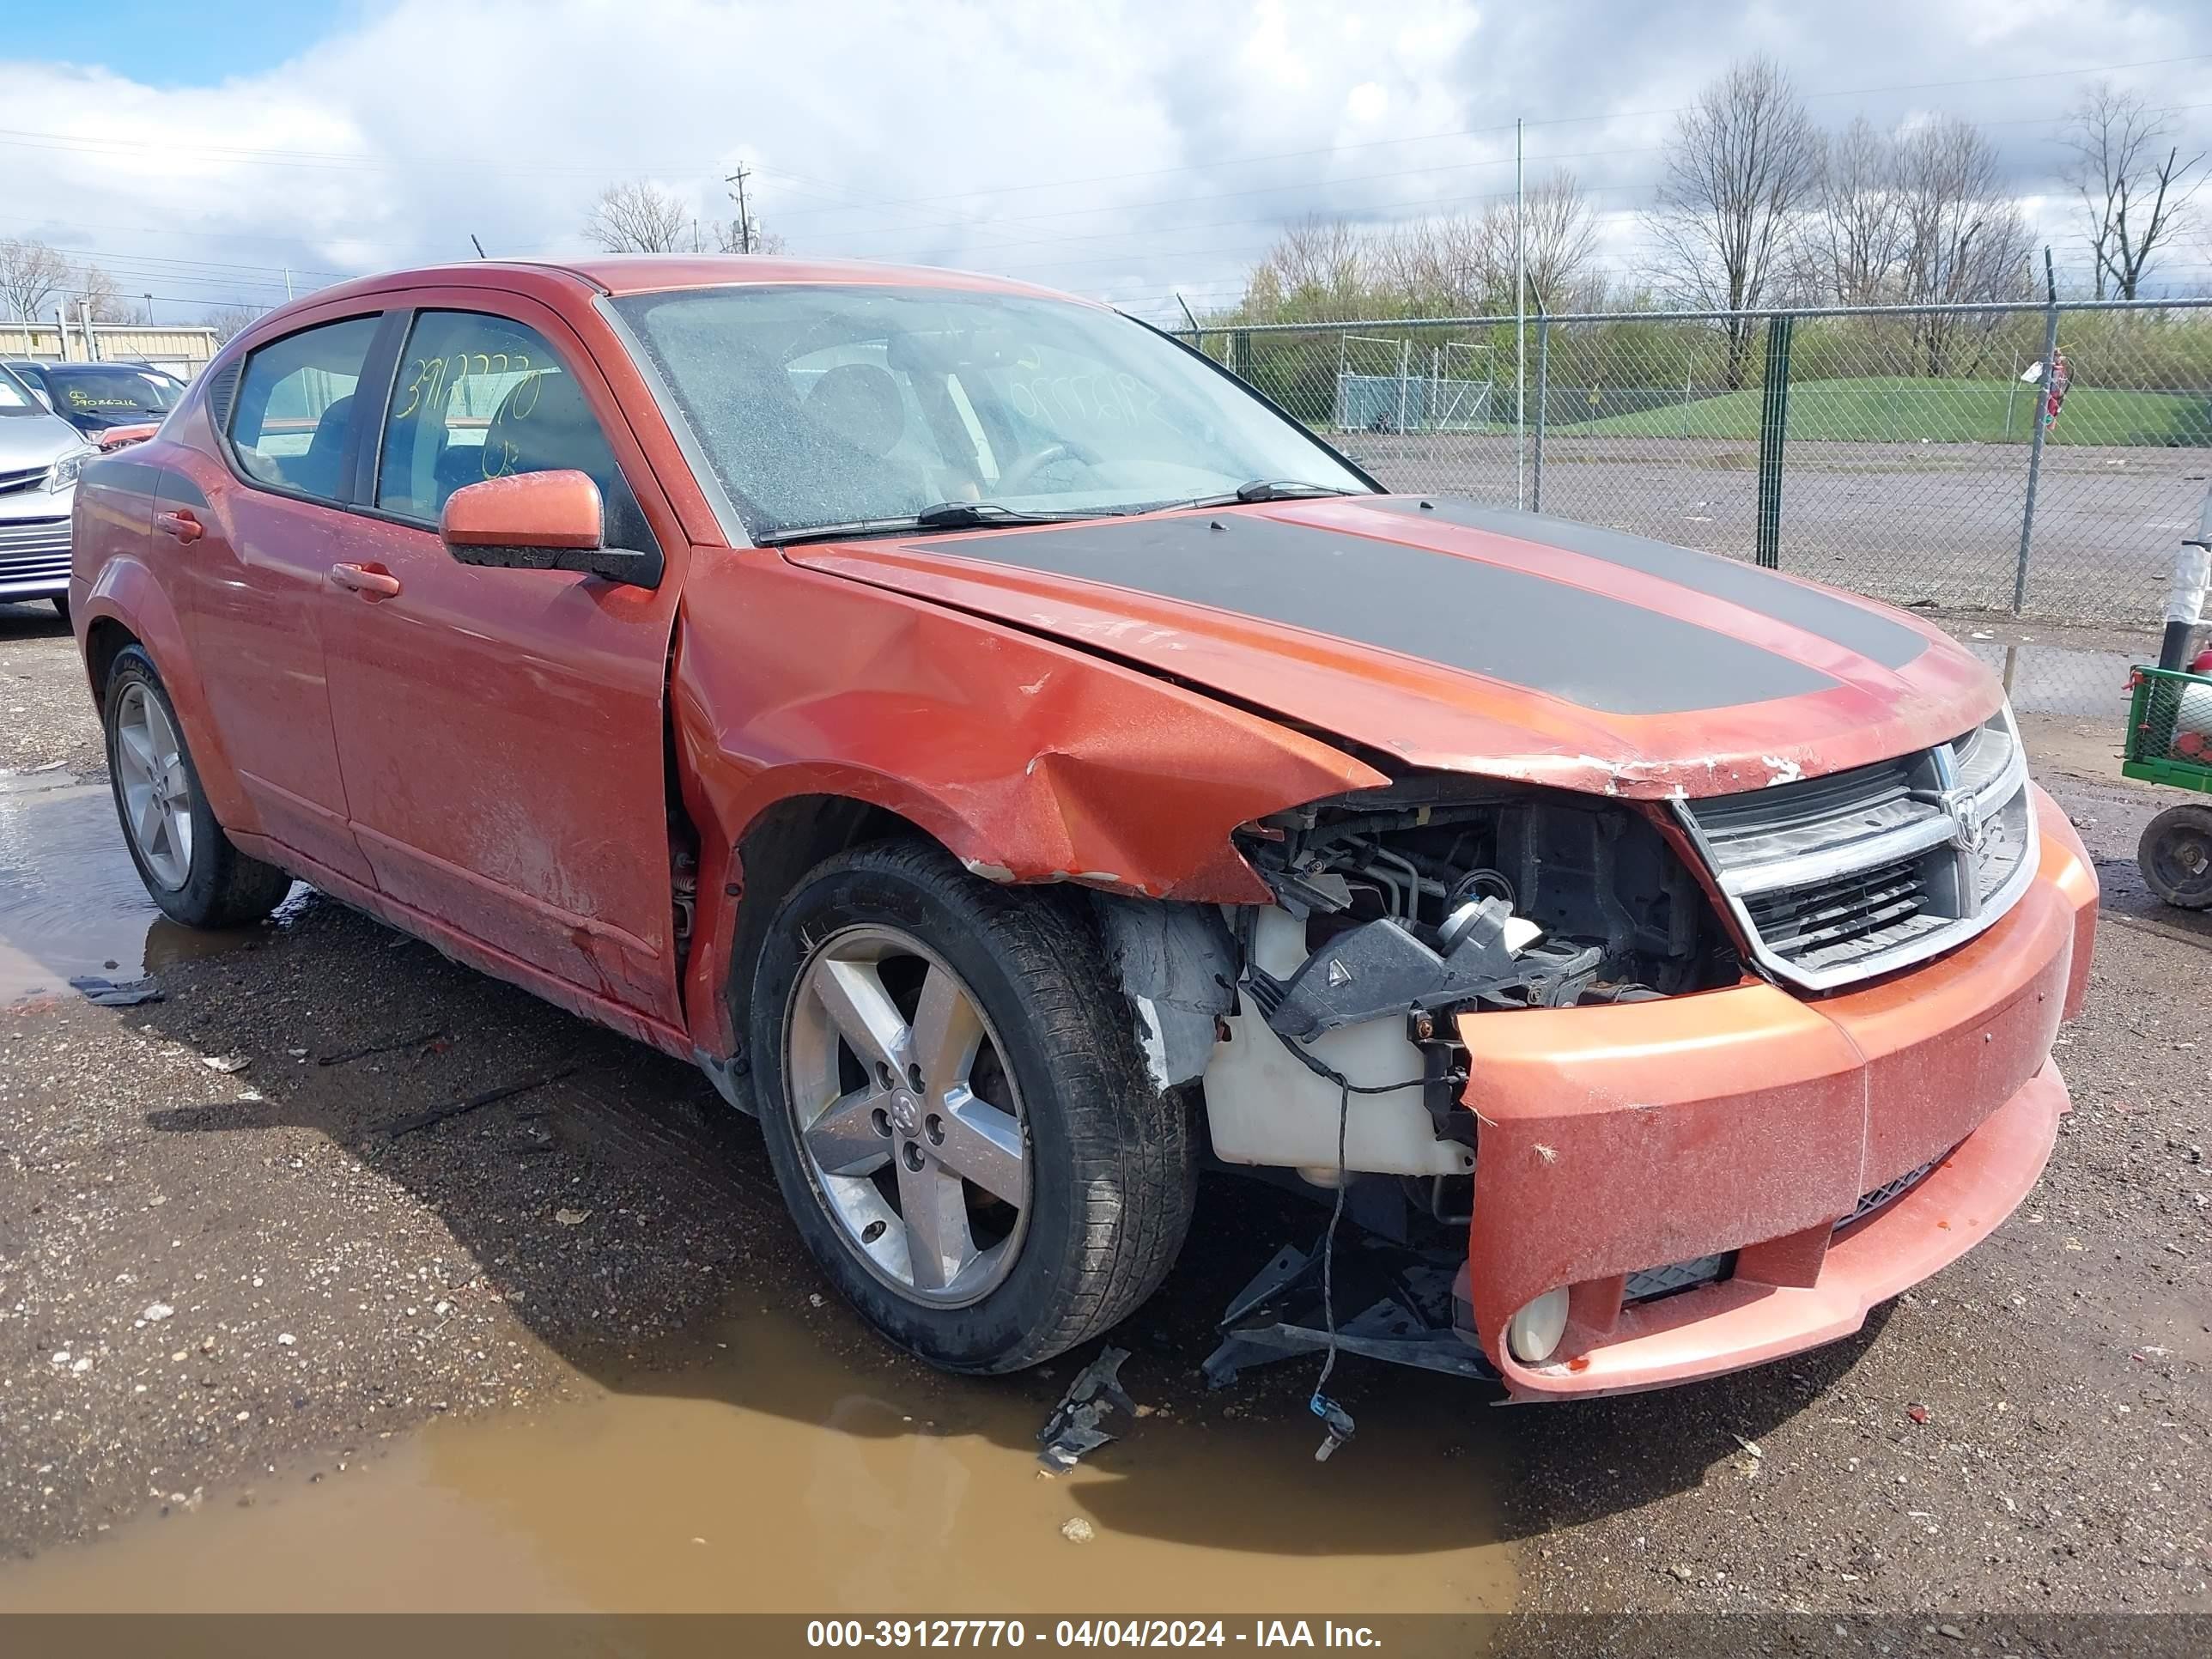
[2176, 856]
[188, 864]
[1088, 1186]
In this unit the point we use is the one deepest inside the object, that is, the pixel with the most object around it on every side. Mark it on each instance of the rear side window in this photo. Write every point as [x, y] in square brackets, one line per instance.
[294, 407]
[480, 397]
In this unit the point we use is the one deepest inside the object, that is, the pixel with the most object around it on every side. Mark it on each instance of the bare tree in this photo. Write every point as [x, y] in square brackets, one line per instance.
[1317, 264]
[2134, 186]
[1427, 265]
[730, 237]
[97, 292]
[32, 278]
[1963, 238]
[1741, 168]
[641, 217]
[1562, 235]
[229, 321]
[1852, 241]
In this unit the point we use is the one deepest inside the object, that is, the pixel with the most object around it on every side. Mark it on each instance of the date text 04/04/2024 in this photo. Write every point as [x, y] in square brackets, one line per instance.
[1085, 1633]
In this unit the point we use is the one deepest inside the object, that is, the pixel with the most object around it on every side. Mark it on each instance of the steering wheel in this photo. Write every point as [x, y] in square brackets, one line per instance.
[1012, 480]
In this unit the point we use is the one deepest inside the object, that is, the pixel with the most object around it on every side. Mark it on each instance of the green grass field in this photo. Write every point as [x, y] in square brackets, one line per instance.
[1937, 411]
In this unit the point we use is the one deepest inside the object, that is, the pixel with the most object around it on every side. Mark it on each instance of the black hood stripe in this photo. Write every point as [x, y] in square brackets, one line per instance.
[1586, 648]
[1866, 633]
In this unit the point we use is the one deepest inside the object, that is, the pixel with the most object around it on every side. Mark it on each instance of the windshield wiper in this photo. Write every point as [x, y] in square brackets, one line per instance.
[944, 515]
[1270, 490]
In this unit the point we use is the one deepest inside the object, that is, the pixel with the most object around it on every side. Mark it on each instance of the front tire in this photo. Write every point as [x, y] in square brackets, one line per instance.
[60, 603]
[958, 1113]
[188, 864]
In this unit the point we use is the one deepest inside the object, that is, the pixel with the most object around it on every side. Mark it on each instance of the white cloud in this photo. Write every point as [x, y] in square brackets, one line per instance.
[1126, 147]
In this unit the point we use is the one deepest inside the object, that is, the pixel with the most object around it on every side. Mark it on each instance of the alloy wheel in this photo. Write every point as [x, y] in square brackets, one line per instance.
[910, 1124]
[156, 790]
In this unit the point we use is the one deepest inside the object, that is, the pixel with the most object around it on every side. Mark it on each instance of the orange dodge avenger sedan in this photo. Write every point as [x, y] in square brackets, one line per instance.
[1022, 765]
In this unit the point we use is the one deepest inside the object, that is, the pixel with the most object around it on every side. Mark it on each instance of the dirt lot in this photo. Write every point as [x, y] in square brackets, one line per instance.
[1911, 523]
[278, 1334]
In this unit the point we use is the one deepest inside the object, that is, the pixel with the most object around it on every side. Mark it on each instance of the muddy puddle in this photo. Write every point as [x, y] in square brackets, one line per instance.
[70, 900]
[775, 1476]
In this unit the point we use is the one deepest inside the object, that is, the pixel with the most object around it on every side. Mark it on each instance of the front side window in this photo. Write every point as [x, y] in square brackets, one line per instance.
[480, 397]
[294, 407]
[823, 405]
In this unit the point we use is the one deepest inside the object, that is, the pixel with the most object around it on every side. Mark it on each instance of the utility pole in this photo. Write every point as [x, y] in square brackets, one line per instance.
[1520, 327]
[149, 310]
[287, 282]
[745, 214]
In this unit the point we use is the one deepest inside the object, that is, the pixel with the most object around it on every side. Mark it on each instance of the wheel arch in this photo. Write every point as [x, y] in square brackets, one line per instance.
[127, 607]
[788, 836]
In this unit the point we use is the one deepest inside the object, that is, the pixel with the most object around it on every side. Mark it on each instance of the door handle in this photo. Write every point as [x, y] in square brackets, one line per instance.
[180, 524]
[366, 579]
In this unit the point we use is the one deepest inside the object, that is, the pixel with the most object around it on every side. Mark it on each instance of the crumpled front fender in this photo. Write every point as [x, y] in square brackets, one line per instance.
[1031, 760]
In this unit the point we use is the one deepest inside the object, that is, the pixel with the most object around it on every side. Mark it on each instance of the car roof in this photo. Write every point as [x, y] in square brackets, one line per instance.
[618, 274]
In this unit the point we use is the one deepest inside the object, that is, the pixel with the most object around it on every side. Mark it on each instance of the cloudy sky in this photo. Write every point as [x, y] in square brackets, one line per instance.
[1130, 148]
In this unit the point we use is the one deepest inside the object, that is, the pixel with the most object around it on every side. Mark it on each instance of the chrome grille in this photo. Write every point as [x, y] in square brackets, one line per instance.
[33, 553]
[19, 478]
[1838, 878]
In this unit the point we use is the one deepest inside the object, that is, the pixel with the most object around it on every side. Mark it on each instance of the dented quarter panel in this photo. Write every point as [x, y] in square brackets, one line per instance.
[1849, 701]
[1031, 760]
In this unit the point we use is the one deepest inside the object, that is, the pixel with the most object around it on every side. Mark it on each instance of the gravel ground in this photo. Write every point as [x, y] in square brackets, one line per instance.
[215, 1276]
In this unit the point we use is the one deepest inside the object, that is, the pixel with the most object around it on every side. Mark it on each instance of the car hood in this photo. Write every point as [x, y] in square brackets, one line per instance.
[1471, 639]
[37, 439]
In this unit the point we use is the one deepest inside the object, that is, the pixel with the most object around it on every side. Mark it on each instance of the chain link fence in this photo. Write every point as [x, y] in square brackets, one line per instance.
[1908, 454]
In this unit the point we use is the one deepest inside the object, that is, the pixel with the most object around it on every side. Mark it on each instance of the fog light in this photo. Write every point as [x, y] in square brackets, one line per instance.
[1533, 1334]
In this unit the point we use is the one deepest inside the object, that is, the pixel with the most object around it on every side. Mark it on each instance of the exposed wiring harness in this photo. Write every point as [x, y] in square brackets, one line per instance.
[1340, 1427]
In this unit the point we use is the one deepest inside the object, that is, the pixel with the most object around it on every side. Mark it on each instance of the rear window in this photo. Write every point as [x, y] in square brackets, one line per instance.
[295, 408]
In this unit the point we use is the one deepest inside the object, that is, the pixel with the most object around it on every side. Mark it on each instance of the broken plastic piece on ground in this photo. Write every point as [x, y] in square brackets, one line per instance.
[1077, 1425]
[109, 993]
[1340, 1425]
[1406, 1317]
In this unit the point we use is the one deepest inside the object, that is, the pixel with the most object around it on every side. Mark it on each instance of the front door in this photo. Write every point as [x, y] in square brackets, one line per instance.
[245, 557]
[501, 732]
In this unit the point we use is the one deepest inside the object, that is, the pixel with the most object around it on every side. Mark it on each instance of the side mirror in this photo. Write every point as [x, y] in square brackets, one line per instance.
[539, 521]
[46, 399]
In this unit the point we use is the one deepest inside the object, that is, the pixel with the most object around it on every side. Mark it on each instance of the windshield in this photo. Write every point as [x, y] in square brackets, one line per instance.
[15, 398]
[819, 406]
[111, 389]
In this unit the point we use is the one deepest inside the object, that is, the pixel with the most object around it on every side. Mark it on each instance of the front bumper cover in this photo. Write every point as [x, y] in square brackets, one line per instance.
[1750, 1122]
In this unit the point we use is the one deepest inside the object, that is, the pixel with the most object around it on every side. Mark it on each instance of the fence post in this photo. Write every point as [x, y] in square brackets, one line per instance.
[1405, 365]
[1543, 386]
[1773, 429]
[2035, 443]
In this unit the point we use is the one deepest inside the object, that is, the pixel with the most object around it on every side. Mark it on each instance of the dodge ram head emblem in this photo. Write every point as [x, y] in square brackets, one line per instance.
[1969, 831]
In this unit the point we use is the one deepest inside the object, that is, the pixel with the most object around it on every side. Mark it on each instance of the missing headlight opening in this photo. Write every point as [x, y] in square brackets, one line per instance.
[1399, 907]
[1399, 910]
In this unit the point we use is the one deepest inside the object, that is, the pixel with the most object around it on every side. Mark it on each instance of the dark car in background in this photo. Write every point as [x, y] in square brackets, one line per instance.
[94, 396]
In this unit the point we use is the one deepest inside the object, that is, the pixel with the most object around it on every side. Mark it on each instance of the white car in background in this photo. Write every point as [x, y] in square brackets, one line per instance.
[40, 457]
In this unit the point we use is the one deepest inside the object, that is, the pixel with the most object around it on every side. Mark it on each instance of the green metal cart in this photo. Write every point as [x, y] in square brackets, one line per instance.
[2170, 742]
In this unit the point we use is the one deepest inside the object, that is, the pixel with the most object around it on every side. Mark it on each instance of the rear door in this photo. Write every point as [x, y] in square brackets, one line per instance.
[245, 552]
[502, 731]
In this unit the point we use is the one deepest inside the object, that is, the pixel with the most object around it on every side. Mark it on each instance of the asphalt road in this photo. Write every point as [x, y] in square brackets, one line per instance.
[225, 1286]
[1911, 523]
